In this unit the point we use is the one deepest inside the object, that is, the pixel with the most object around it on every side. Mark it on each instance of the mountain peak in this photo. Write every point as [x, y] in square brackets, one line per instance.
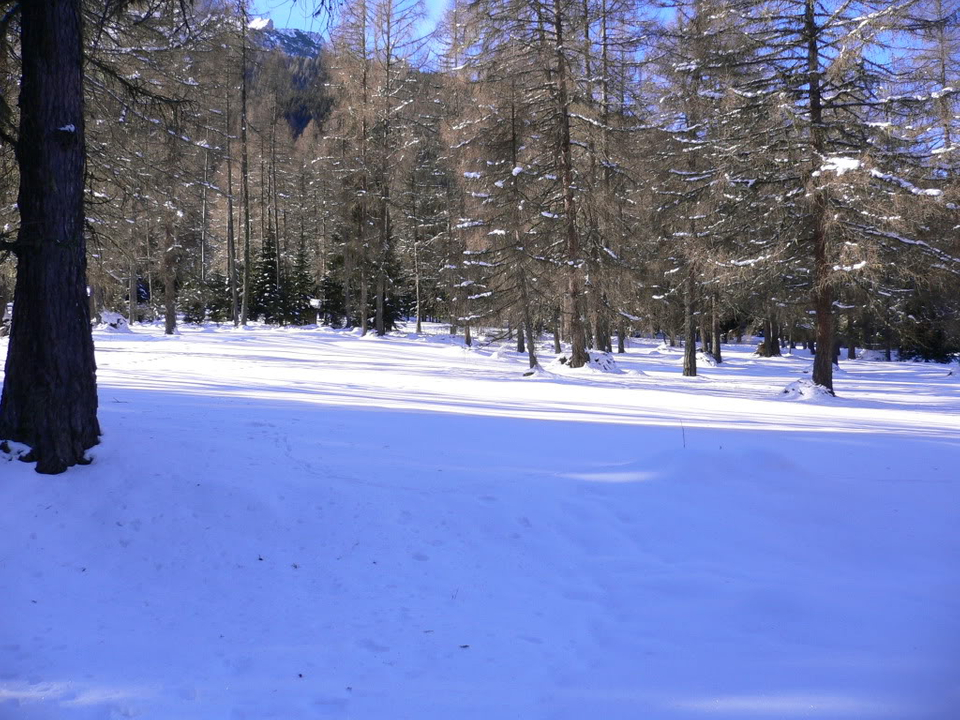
[299, 43]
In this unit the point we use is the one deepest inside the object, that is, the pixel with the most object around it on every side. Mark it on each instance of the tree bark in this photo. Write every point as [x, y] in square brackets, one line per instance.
[574, 285]
[132, 288]
[244, 172]
[715, 324]
[822, 292]
[49, 398]
[557, 348]
[170, 260]
[231, 238]
[689, 327]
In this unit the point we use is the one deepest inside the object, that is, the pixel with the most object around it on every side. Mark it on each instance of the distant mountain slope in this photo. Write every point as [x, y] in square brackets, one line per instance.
[298, 43]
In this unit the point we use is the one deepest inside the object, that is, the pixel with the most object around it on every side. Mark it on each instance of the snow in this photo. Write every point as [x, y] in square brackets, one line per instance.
[260, 23]
[298, 523]
[805, 390]
[840, 164]
[114, 322]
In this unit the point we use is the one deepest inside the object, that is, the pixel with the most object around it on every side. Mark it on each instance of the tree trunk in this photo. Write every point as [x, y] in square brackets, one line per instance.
[132, 288]
[231, 238]
[49, 399]
[557, 348]
[244, 172]
[715, 324]
[574, 285]
[170, 283]
[851, 338]
[363, 303]
[379, 325]
[416, 267]
[621, 339]
[527, 318]
[771, 340]
[822, 292]
[689, 327]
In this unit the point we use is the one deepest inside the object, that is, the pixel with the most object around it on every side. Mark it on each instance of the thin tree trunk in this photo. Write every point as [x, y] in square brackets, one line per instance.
[416, 268]
[244, 171]
[381, 297]
[170, 282]
[363, 303]
[689, 326]
[132, 287]
[231, 239]
[715, 323]
[557, 348]
[49, 398]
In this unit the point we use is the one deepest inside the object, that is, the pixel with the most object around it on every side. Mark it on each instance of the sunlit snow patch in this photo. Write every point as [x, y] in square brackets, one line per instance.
[806, 390]
[114, 322]
[600, 362]
[789, 706]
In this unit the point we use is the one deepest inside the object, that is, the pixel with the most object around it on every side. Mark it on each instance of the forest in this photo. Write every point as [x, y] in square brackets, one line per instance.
[587, 168]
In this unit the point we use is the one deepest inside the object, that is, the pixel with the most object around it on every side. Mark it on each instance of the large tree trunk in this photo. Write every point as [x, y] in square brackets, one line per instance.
[771, 335]
[574, 284]
[49, 399]
[822, 292]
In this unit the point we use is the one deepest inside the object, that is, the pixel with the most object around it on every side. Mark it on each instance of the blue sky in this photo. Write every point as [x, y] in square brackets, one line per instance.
[299, 13]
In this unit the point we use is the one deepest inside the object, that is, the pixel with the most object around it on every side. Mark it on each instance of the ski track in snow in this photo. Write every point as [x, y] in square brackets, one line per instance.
[302, 523]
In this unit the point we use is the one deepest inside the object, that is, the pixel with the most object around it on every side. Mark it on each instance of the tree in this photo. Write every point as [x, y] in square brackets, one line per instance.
[49, 399]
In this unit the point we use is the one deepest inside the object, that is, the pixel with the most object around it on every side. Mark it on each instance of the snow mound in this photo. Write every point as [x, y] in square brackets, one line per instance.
[706, 359]
[604, 362]
[807, 390]
[10, 450]
[600, 363]
[114, 322]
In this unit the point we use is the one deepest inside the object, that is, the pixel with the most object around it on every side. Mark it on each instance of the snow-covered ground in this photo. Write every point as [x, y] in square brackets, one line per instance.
[301, 523]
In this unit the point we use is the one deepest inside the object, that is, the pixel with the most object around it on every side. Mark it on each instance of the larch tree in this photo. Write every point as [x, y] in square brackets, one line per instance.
[49, 399]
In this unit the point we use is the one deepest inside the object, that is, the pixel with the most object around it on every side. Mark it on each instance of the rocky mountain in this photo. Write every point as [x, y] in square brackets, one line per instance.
[297, 43]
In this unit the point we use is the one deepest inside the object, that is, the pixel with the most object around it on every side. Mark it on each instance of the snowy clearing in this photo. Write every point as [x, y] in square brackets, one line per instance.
[302, 523]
